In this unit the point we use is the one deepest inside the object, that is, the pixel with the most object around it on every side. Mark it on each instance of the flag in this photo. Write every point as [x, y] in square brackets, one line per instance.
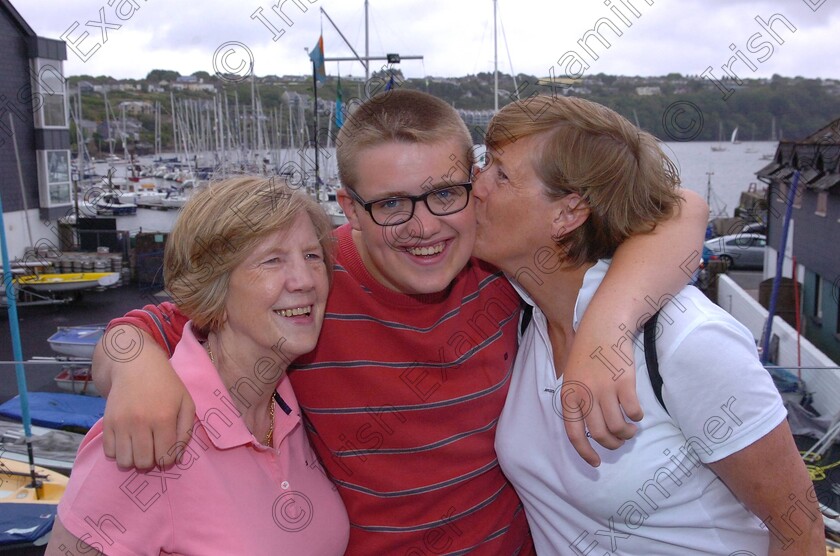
[317, 57]
[390, 84]
[339, 116]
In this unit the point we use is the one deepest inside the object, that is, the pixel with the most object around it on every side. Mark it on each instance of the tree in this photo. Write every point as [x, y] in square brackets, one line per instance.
[158, 75]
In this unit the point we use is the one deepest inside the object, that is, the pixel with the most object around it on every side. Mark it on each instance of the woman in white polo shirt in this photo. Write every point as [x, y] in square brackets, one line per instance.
[713, 469]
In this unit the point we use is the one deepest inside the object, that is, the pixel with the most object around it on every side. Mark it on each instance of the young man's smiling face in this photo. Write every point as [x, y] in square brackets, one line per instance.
[424, 254]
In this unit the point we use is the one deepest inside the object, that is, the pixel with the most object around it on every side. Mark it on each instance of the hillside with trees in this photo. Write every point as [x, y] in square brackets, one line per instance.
[762, 109]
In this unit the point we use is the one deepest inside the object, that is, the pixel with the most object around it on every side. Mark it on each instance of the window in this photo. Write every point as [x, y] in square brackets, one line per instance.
[56, 165]
[822, 203]
[49, 95]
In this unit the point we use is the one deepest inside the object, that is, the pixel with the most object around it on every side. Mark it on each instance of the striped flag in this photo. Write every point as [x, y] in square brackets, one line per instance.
[317, 57]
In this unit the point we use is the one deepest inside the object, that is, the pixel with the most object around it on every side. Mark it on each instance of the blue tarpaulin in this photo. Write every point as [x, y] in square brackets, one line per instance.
[25, 523]
[57, 410]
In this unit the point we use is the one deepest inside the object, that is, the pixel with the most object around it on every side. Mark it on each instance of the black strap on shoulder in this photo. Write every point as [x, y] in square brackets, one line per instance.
[527, 313]
[652, 361]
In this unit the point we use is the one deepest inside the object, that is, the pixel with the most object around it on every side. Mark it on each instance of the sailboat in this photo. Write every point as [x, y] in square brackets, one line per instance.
[734, 138]
[719, 147]
[29, 495]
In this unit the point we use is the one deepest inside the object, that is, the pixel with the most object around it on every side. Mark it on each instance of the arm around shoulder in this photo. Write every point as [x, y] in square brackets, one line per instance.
[148, 408]
[646, 271]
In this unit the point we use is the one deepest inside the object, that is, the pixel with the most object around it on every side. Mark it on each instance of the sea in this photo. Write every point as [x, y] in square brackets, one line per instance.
[720, 174]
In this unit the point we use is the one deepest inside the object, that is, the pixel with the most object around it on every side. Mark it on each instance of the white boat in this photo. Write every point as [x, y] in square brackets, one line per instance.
[114, 204]
[149, 199]
[76, 341]
[76, 379]
[175, 200]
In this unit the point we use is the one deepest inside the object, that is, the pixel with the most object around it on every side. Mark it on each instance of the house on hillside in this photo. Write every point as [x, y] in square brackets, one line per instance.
[814, 228]
[34, 130]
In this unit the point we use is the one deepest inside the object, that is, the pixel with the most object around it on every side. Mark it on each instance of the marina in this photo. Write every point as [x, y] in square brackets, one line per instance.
[87, 218]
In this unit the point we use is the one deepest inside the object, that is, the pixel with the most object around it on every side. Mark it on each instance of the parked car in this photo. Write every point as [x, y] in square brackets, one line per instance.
[755, 228]
[739, 250]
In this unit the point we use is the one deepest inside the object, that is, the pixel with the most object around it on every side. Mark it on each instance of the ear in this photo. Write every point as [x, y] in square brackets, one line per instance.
[349, 207]
[570, 214]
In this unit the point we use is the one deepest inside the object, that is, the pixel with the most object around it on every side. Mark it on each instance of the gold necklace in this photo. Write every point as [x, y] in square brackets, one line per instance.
[269, 436]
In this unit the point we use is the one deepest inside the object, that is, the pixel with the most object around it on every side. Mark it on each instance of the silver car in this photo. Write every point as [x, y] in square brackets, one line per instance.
[739, 250]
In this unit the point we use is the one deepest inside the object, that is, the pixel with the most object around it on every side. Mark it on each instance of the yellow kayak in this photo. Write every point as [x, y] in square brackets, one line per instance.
[68, 282]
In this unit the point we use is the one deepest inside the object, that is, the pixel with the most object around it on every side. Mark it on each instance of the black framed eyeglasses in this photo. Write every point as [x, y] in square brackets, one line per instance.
[392, 211]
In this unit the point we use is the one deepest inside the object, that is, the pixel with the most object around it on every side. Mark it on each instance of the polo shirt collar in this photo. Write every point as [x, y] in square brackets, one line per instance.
[214, 406]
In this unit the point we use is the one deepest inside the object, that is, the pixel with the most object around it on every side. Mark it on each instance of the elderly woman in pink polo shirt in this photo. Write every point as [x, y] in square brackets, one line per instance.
[249, 262]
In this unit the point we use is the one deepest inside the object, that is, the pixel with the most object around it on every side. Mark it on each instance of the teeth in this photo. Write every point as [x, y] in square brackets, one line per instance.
[426, 251]
[295, 312]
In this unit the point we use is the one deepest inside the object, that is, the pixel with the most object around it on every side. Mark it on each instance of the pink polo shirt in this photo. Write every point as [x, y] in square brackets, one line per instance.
[228, 494]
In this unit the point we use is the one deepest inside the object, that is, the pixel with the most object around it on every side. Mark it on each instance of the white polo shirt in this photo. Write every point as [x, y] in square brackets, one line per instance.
[654, 495]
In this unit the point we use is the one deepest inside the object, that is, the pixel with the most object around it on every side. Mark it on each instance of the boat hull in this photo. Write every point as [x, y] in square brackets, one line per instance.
[76, 341]
[51, 448]
[68, 282]
[16, 479]
[76, 379]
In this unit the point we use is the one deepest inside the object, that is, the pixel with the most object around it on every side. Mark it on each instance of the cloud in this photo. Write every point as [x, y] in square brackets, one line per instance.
[454, 37]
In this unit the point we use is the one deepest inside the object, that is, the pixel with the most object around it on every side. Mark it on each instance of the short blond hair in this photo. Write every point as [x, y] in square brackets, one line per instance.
[588, 149]
[397, 116]
[217, 229]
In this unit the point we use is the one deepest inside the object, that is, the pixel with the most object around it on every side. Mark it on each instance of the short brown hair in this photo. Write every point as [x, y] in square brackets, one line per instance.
[217, 229]
[588, 149]
[398, 115]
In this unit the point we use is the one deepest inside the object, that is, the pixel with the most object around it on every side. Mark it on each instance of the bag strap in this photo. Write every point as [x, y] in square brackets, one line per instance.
[525, 318]
[652, 361]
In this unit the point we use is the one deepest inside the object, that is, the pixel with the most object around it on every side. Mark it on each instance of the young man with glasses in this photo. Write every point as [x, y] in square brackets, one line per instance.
[403, 392]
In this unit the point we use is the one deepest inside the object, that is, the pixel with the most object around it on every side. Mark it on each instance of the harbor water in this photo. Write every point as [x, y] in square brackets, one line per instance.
[732, 170]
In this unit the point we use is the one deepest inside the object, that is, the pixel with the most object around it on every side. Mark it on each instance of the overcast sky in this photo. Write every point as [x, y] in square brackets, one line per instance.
[455, 37]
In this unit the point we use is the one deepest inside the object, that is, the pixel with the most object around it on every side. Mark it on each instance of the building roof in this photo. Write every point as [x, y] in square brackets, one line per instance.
[21, 23]
[816, 157]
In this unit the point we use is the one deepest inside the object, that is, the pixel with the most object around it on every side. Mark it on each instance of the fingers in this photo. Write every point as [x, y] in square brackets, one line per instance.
[186, 418]
[165, 445]
[599, 431]
[573, 402]
[587, 418]
[629, 401]
[616, 428]
[142, 448]
[122, 449]
[576, 431]
[109, 440]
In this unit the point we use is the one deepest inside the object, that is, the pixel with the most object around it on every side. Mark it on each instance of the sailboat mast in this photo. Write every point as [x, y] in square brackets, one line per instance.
[495, 61]
[315, 129]
[367, 45]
